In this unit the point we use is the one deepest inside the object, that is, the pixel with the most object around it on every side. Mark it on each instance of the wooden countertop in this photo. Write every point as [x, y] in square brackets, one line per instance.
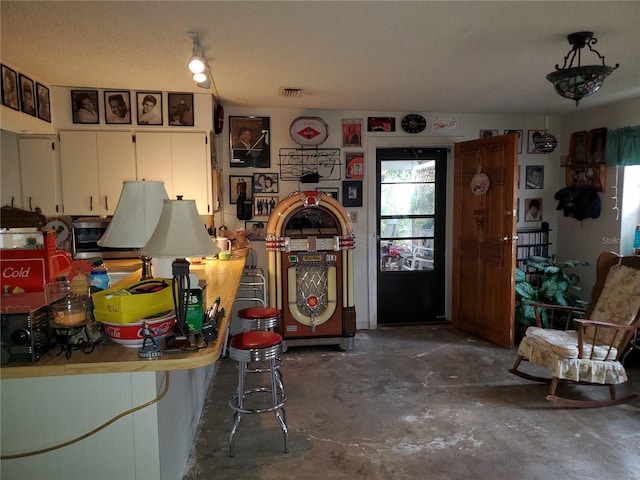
[222, 277]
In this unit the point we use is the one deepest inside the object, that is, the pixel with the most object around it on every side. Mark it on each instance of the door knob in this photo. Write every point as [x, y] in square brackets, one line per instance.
[508, 238]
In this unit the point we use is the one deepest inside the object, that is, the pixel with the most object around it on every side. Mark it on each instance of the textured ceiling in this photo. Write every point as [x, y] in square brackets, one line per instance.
[351, 55]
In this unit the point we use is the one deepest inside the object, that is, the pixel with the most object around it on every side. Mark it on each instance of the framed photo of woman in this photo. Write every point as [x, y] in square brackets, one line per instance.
[27, 96]
[249, 142]
[10, 88]
[84, 105]
[265, 182]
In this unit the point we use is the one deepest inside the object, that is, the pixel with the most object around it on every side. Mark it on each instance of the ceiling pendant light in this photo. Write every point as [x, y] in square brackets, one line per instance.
[545, 143]
[580, 81]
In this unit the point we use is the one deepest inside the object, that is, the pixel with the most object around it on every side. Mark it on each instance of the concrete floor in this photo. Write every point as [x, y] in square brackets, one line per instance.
[423, 402]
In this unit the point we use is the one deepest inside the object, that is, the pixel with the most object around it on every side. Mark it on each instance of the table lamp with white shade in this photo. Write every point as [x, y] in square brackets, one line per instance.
[135, 218]
[180, 234]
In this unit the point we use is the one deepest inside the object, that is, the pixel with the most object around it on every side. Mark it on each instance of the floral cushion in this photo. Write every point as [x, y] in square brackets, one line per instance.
[557, 350]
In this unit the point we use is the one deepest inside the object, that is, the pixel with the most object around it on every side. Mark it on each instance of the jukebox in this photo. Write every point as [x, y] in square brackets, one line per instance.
[310, 246]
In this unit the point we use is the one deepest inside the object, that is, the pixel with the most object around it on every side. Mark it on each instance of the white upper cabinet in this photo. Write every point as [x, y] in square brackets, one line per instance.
[94, 165]
[40, 174]
[180, 160]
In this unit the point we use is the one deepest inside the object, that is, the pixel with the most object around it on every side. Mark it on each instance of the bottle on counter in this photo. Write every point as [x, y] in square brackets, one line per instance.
[99, 277]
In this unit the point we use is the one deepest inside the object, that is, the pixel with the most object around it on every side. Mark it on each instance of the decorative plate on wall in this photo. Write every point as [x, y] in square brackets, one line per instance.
[309, 131]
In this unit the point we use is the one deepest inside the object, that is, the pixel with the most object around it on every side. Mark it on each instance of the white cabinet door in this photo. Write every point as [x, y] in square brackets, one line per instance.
[153, 158]
[180, 160]
[79, 159]
[10, 189]
[40, 167]
[190, 169]
[94, 165]
[116, 163]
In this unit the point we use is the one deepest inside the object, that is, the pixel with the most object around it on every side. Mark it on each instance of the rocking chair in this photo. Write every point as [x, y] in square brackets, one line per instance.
[590, 354]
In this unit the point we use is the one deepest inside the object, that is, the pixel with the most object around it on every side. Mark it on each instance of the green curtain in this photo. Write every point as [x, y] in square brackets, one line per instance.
[623, 146]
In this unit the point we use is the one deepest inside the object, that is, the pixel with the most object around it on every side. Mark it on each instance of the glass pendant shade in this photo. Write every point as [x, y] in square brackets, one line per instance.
[578, 82]
[136, 215]
[179, 233]
[545, 143]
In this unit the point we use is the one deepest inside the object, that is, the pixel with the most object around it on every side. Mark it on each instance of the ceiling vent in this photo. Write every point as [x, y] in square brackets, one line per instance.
[289, 92]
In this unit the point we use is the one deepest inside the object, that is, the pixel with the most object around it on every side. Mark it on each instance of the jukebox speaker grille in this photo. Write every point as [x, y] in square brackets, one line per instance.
[311, 281]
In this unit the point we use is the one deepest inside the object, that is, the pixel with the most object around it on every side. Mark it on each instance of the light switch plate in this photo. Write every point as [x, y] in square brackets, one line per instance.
[354, 216]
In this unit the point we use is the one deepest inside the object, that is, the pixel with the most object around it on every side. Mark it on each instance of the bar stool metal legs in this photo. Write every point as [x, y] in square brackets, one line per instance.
[257, 346]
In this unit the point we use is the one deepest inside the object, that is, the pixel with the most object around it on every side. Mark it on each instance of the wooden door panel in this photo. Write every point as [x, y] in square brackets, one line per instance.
[484, 239]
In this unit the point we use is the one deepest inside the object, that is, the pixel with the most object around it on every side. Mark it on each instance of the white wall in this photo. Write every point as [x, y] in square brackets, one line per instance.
[365, 254]
[585, 240]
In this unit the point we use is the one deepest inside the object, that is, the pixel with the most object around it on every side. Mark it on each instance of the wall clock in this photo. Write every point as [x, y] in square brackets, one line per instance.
[309, 131]
[413, 123]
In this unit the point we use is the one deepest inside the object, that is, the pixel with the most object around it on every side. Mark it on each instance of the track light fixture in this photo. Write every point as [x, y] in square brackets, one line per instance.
[198, 64]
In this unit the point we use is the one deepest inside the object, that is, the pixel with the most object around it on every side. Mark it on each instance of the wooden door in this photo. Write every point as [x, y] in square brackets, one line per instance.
[484, 238]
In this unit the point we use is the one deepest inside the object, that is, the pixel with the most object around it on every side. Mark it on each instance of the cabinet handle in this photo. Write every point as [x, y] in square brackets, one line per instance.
[91, 203]
[12, 199]
[106, 203]
[30, 207]
[57, 208]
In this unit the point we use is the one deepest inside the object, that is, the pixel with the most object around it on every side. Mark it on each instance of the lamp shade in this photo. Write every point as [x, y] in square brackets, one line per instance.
[136, 215]
[179, 233]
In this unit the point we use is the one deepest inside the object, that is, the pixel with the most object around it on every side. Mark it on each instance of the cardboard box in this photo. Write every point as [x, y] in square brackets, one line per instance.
[119, 305]
[196, 307]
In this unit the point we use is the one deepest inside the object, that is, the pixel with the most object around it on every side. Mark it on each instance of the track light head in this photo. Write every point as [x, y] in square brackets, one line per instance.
[196, 64]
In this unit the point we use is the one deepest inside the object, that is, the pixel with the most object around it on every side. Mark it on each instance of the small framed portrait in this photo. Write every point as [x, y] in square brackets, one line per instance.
[352, 193]
[333, 191]
[43, 101]
[149, 108]
[532, 136]
[535, 177]
[579, 147]
[255, 230]
[117, 106]
[27, 96]
[533, 209]
[10, 88]
[84, 105]
[264, 205]
[352, 132]
[489, 133]
[381, 124]
[181, 109]
[355, 164]
[249, 142]
[520, 141]
[265, 182]
[240, 184]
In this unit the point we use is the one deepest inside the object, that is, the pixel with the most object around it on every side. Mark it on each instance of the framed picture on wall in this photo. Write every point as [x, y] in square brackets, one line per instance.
[240, 183]
[27, 96]
[256, 230]
[355, 164]
[352, 193]
[181, 109]
[43, 101]
[532, 136]
[533, 209]
[84, 105]
[264, 205]
[117, 106]
[249, 142]
[149, 108]
[265, 182]
[352, 132]
[334, 192]
[520, 140]
[535, 177]
[10, 88]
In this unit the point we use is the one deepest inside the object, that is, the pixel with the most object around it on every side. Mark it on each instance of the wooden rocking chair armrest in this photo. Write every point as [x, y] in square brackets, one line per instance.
[582, 327]
[547, 306]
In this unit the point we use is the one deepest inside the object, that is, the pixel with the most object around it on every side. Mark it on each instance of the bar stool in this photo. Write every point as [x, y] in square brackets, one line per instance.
[256, 346]
[261, 318]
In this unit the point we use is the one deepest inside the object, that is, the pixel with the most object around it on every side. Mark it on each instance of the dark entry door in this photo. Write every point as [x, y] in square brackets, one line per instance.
[411, 234]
